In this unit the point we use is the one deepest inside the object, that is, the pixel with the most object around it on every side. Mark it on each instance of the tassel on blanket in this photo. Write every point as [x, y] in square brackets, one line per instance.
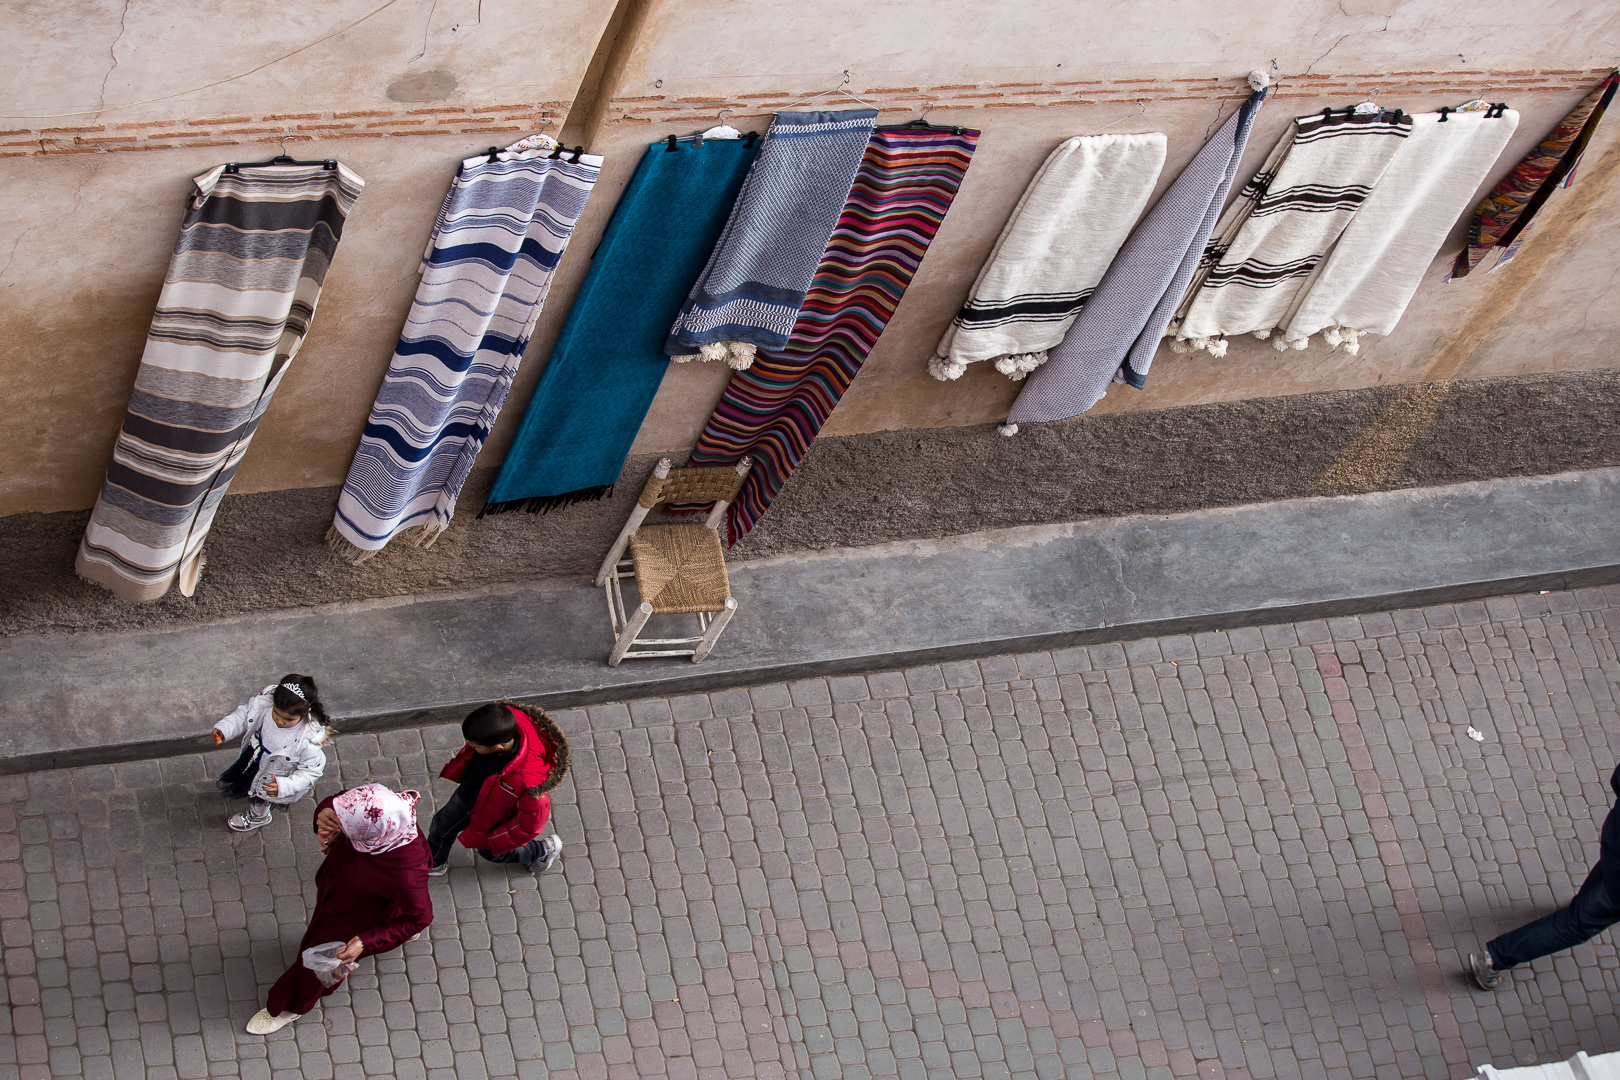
[945, 370]
[1016, 365]
[737, 355]
[340, 546]
[546, 503]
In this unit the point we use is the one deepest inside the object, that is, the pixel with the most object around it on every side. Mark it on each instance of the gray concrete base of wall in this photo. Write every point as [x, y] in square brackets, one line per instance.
[98, 697]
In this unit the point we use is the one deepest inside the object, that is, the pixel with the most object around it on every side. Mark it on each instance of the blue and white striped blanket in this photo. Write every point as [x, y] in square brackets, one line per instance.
[496, 244]
[750, 292]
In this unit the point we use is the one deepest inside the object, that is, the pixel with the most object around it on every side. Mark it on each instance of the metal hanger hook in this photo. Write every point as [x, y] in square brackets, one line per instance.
[720, 117]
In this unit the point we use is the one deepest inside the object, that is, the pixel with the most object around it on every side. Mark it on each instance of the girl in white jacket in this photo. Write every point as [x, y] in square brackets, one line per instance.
[283, 730]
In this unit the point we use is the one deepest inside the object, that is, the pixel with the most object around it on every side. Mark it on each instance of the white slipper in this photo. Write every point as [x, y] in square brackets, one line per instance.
[264, 1024]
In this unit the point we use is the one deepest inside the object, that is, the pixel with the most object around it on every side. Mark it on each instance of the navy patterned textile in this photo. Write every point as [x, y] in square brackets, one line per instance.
[754, 284]
[500, 234]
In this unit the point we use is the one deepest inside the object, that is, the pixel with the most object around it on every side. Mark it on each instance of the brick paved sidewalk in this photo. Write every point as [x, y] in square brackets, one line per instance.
[1249, 854]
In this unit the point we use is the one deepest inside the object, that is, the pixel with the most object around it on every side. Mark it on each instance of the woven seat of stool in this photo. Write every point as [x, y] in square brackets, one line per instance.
[680, 569]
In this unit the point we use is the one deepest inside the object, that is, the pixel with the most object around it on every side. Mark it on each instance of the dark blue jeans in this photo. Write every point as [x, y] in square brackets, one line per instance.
[452, 817]
[1594, 909]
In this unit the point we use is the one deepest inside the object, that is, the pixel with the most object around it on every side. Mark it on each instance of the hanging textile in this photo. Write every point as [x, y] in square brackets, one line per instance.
[1061, 237]
[1365, 285]
[242, 286]
[773, 410]
[1507, 212]
[609, 359]
[1119, 328]
[500, 233]
[750, 292]
[1283, 223]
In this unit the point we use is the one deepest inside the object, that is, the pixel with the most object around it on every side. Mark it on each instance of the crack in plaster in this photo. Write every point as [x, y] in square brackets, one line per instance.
[112, 53]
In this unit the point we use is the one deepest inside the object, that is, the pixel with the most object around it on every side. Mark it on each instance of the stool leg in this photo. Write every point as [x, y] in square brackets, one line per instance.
[638, 619]
[712, 634]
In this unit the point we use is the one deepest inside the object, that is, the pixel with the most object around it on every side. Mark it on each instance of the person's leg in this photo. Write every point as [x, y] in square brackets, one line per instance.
[538, 855]
[447, 825]
[259, 808]
[526, 855]
[1591, 912]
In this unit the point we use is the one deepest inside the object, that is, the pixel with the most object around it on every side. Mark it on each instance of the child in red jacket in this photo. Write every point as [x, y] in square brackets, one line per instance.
[514, 755]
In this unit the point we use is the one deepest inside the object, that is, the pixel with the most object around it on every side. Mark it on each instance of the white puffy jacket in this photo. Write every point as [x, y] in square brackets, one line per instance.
[254, 714]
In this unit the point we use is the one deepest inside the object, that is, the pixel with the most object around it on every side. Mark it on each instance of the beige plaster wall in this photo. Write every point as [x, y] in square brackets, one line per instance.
[91, 56]
[91, 223]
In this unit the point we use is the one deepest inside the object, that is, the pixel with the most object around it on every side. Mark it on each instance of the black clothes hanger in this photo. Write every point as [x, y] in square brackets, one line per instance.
[280, 159]
[922, 124]
[672, 142]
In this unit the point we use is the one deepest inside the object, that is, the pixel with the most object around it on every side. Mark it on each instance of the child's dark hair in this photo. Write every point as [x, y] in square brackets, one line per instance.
[493, 724]
[489, 725]
[305, 700]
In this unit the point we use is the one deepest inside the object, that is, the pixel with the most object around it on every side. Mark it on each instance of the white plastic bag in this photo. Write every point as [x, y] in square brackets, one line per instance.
[324, 962]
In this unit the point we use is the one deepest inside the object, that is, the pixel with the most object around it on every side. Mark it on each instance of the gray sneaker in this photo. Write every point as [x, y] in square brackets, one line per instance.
[440, 870]
[550, 852]
[1484, 972]
[246, 822]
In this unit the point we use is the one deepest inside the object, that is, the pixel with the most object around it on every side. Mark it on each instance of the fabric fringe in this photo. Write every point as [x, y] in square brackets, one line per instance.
[341, 547]
[737, 355]
[544, 504]
[1016, 365]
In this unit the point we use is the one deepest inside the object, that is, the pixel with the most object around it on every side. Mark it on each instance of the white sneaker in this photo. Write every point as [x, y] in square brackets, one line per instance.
[265, 1024]
[440, 870]
[550, 852]
[246, 822]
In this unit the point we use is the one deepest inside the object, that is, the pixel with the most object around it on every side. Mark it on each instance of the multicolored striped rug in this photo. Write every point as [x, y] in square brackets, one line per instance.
[238, 299]
[774, 410]
[1504, 218]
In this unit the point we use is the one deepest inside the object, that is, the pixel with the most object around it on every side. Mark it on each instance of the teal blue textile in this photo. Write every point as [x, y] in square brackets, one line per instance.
[609, 359]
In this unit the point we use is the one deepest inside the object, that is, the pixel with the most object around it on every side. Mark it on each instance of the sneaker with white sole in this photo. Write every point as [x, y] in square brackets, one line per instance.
[439, 870]
[246, 822]
[550, 852]
[1485, 973]
[265, 1024]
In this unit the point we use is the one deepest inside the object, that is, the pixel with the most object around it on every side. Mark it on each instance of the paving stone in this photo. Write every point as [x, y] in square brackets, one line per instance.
[1263, 852]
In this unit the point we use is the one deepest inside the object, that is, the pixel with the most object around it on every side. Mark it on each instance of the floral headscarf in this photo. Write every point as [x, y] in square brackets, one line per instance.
[376, 819]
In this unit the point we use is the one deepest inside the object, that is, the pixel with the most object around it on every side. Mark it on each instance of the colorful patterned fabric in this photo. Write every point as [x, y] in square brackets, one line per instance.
[1508, 211]
[1119, 329]
[489, 264]
[236, 304]
[1060, 238]
[609, 359]
[1283, 223]
[774, 410]
[750, 292]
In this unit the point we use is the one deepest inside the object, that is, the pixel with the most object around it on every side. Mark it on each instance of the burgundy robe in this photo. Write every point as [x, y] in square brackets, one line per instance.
[382, 899]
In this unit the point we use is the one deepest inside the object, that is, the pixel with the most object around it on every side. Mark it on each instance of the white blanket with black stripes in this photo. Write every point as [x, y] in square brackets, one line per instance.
[1363, 287]
[1283, 223]
[1062, 235]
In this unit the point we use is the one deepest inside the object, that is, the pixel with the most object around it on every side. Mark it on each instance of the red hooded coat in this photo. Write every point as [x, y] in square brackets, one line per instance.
[509, 811]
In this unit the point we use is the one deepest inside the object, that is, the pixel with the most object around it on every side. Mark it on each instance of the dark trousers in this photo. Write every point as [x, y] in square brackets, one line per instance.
[1594, 909]
[452, 817]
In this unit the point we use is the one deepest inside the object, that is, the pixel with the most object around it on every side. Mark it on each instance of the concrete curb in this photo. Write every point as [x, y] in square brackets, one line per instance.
[859, 610]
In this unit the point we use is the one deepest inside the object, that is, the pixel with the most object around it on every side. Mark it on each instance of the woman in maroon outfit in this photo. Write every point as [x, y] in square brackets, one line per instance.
[371, 892]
